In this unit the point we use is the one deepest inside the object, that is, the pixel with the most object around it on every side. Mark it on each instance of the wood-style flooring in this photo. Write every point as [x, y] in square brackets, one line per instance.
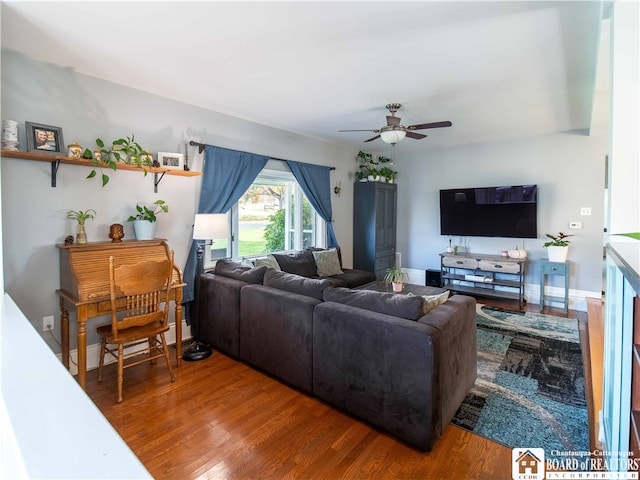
[224, 419]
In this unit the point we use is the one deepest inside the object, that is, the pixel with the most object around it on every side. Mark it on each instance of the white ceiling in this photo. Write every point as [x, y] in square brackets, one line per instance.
[497, 70]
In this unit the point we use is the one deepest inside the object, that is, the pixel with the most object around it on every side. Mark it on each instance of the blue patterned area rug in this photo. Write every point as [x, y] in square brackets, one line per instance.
[530, 387]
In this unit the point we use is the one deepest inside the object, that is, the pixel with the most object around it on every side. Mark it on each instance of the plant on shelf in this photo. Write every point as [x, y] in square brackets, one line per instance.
[149, 213]
[557, 240]
[144, 222]
[396, 277]
[372, 168]
[81, 217]
[122, 150]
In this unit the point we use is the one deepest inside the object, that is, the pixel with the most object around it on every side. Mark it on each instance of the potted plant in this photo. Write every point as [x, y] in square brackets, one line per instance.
[396, 277]
[81, 217]
[122, 150]
[144, 222]
[557, 247]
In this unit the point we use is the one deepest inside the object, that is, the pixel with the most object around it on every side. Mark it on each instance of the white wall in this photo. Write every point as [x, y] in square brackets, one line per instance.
[568, 169]
[87, 108]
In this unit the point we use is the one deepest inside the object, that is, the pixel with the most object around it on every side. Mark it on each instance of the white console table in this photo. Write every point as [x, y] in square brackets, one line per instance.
[484, 275]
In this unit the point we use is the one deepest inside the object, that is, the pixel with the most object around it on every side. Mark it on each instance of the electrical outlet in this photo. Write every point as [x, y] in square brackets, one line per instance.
[575, 225]
[47, 323]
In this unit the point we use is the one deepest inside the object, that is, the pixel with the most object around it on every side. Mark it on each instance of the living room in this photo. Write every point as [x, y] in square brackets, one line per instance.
[568, 166]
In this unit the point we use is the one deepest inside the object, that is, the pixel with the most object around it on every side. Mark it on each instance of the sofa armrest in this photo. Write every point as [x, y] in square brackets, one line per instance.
[377, 367]
[220, 313]
[456, 349]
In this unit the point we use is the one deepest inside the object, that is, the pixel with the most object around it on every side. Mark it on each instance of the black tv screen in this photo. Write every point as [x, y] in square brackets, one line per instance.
[509, 211]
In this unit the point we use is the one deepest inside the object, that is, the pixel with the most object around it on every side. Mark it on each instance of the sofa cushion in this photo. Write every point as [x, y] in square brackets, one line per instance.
[327, 262]
[300, 263]
[228, 268]
[296, 283]
[404, 306]
[269, 261]
[352, 278]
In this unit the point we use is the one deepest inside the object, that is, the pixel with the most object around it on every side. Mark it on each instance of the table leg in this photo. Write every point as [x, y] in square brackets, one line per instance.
[64, 333]
[178, 318]
[81, 314]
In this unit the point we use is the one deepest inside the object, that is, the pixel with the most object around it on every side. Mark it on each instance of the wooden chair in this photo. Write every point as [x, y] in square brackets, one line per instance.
[139, 314]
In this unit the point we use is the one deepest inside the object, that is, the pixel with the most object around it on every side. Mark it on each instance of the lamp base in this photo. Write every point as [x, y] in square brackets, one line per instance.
[197, 351]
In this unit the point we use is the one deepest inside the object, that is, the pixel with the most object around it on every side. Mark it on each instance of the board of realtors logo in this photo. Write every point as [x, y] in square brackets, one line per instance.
[527, 463]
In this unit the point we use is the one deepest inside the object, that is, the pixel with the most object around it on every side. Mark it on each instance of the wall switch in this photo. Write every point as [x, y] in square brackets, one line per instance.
[585, 211]
[575, 225]
[47, 323]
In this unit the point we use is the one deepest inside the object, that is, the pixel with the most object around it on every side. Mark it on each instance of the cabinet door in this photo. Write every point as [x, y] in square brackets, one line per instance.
[386, 217]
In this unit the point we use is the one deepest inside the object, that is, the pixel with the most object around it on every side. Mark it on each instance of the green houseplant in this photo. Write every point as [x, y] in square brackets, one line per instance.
[373, 168]
[396, 277]
[145, 220]
[557, 247]
[81, 216]
[121, 150]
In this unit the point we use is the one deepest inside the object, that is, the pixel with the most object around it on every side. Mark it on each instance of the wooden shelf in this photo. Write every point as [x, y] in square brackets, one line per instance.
[56, 160]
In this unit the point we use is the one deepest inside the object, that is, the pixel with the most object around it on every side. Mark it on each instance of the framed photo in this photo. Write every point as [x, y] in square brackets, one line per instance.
[171, 160]
[44, 138]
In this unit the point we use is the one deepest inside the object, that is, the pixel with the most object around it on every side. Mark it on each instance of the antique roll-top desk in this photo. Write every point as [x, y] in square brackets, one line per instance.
[84, 286]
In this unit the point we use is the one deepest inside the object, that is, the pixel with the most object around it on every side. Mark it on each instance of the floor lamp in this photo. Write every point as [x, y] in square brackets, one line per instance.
[206, 227]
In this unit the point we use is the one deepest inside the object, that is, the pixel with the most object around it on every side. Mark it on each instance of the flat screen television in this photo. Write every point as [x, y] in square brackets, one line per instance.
[509, 211]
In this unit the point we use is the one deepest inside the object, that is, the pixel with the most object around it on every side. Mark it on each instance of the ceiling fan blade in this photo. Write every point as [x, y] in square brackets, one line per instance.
[415, 135]
[372, 138]
[393, 121]
[424, 126]
[368, 130]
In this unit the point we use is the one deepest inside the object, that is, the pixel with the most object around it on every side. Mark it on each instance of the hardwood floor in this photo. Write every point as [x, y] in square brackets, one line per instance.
[224, 419]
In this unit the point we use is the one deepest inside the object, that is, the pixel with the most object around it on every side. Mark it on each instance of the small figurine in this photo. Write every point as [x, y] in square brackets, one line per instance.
[116, 233]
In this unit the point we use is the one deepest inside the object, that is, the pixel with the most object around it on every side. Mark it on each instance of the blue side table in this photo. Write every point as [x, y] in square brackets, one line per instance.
[554, 268]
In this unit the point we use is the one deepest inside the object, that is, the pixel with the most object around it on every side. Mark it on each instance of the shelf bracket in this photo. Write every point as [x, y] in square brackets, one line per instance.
[54, 172]
[156, 181]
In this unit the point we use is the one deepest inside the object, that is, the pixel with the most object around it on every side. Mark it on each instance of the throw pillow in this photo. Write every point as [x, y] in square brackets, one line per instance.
[429, 302]
[300, 263]
[228, 268]
[269, 261]
[327, 262]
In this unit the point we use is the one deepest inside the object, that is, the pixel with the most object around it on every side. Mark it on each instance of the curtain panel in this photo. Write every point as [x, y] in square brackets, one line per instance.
[315, 182]
[226, 175]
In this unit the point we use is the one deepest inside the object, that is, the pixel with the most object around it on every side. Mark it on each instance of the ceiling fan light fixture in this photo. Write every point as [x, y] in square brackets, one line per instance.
[393, 136]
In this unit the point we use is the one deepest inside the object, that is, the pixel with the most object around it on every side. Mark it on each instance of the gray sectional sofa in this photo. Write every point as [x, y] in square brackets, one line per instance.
[375, 355]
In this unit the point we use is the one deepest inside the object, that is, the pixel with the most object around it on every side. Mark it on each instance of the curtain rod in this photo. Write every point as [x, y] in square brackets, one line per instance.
[201, 147]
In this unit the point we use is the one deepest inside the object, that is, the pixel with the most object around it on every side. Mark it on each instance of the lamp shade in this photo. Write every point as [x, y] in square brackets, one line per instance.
[210, 225]
[392, 136]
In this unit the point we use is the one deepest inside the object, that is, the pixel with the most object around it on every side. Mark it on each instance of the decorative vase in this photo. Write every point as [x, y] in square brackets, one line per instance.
[557, 254]
[144, 229]
[397, 286]
[81, 234]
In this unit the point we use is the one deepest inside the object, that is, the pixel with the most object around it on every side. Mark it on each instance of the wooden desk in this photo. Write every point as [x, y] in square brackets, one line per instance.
[84, 286]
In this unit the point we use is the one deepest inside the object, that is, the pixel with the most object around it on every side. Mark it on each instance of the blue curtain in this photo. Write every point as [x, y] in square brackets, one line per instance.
[316, 185]
[227, 174]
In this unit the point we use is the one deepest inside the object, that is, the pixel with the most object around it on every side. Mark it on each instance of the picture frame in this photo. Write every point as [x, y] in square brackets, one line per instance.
[173, 161]
[44, 138]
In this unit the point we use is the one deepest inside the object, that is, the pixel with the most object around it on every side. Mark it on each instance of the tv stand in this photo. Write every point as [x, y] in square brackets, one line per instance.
[484, 275]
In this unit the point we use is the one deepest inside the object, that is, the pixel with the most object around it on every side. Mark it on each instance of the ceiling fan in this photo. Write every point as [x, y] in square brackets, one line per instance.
[393, 132]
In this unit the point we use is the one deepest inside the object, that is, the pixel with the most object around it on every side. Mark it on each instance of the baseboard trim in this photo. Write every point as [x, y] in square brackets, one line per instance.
[577, 298]
[93, 351]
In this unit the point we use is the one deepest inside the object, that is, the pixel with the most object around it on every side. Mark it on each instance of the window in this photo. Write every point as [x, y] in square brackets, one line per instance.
[272, 215]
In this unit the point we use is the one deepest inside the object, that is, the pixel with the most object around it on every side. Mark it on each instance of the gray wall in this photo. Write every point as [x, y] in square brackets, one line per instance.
[86, 108]
[569, 168]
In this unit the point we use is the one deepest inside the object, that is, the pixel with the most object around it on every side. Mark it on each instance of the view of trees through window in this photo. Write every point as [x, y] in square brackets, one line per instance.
[267, 219]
